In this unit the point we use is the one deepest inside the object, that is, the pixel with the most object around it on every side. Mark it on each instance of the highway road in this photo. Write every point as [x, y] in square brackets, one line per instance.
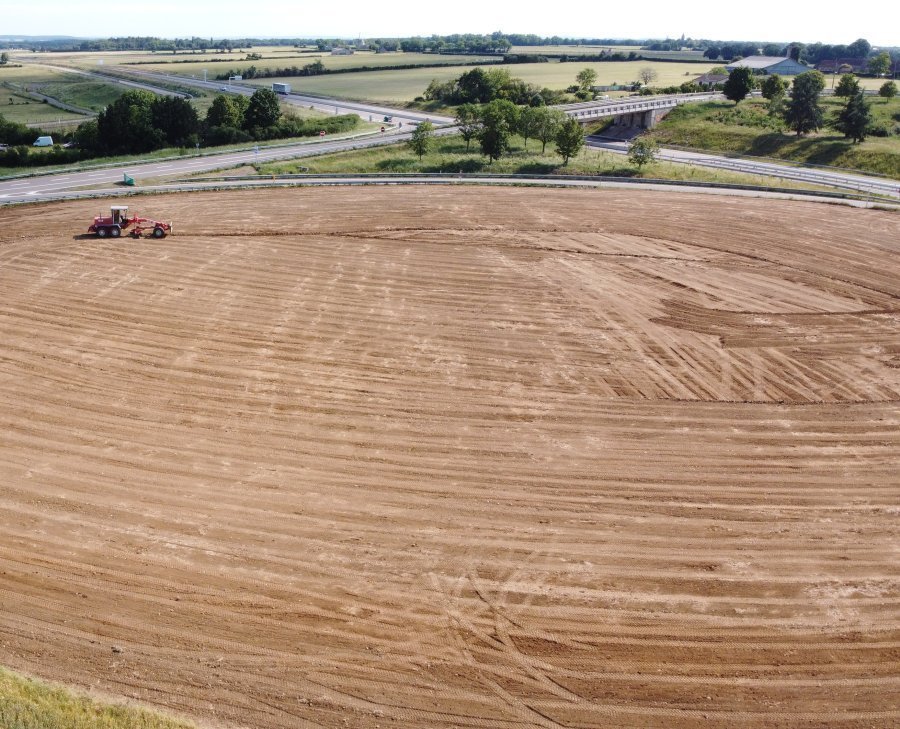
[53, 186]
[35, 188]
[367, 112]
[813, 176]
[106, 78]
[47, 186]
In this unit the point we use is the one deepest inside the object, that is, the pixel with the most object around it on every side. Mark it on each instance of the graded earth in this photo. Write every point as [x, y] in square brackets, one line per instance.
[456, 457]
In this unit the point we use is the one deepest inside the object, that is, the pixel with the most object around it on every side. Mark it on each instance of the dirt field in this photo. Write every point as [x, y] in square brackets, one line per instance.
[457, 457]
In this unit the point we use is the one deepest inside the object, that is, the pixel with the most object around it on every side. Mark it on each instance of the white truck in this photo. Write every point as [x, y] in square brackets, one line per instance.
[281, 88]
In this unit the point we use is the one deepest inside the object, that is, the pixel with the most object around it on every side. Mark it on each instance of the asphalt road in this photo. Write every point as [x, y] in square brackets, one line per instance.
[36, 188]
[45, 186]
[826, 178]
[368, 112]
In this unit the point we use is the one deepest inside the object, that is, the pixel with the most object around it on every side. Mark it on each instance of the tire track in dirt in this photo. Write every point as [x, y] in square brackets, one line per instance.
[464, 458]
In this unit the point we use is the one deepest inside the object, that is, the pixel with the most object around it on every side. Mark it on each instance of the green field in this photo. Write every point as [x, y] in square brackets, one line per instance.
[26, 703]
[402, 87]
[89, 60]
[20, 108]
[579, 50]
[93, 95]
[70, 88]
[720, 126]
[195, 69]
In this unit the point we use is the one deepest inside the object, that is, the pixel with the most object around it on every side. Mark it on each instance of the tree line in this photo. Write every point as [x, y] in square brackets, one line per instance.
[800, 109]
[480, 86]
[139, 122]
[494, 124]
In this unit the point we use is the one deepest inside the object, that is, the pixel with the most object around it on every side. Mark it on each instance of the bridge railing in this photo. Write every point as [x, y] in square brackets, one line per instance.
[615, 108]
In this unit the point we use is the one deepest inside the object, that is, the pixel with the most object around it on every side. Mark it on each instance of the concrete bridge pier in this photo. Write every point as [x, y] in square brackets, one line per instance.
[641, 119]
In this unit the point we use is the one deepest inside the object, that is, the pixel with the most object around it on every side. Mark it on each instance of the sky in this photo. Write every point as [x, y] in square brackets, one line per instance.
[826, 22]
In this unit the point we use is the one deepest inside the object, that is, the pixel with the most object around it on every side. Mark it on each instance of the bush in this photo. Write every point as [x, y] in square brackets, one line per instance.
[216, 136]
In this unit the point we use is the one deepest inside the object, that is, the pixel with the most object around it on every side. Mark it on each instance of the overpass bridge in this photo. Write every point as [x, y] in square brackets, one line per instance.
[636, 111]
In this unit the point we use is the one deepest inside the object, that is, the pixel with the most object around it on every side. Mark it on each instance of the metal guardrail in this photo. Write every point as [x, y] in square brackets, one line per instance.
[189, 155]
[776, 161]
[557, 179]
[198, 185]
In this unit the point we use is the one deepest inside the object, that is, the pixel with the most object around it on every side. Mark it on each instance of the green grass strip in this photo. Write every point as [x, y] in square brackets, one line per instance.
[27, 703]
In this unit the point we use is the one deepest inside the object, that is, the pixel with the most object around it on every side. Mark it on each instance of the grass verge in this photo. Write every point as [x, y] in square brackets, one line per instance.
[27, 703]
[175, 152]
[449, 156]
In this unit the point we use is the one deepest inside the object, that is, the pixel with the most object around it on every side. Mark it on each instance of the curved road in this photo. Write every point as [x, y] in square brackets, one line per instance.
[35, 188]
[367, 112]
[825, 178]
[47, 187]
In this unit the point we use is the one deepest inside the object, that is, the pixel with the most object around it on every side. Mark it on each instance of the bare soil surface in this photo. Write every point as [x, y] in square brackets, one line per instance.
[457, 457]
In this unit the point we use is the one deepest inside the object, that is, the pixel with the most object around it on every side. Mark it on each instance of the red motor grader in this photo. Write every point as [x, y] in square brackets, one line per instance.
[118, 221]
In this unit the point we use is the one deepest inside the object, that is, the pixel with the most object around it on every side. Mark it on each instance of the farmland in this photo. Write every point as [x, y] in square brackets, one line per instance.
[70, 88]
[464, 457]
[404, 86]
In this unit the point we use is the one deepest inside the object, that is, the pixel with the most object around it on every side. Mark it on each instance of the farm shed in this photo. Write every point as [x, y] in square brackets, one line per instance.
[769, 65]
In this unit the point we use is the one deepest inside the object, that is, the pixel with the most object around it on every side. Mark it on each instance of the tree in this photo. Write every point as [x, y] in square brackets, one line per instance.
[547, 122]
[498, 120]
[87, 136]
[888, 90]
[4, 58]
[223, 112]
[774, 89]
[728, 52]
[586, 78]
[855, 120]
[803, 113]
[643, 151]
[474, 87]
[422, 139]
[738, 84]
[772, 49]
[569, 139]
[860, 48]
[647, 74]
[126, 125]
[528, 123]
[880, 65]
[712, 53]
[773, 86]
[263, 110]
[847, 86]
[176, 119]
[468, 119]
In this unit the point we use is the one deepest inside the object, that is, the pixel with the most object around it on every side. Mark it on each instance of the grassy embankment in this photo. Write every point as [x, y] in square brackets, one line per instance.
[17, 106]
[30, 704]
[449, 156]
[720, 126]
